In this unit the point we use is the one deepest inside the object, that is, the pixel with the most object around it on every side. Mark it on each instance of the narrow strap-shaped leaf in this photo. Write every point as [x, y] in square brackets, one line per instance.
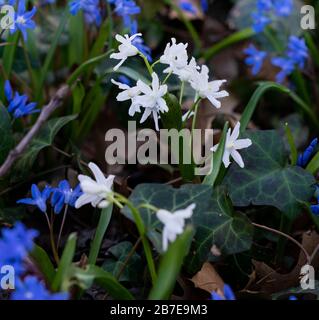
[65, 263]
[230, 40]
[44, 263]
[217, 159]
[104, 221]
[170, 266]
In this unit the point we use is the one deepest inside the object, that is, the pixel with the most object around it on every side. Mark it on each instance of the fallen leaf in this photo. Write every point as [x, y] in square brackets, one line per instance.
[208, 279]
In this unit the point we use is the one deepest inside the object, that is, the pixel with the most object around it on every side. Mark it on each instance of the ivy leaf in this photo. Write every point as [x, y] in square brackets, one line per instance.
[267, 179]
[133, 269]
[6, 142]
[214, 219]
[44, 139]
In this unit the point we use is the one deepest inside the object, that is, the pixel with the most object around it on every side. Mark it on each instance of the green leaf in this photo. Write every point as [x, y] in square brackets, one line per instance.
[44, 139]
[9, 53]
[104, 221]
[170, 266]
[50, 54]
[217, 159]
[133, 271]
[60, 281]
[266, 178]
[105, 280]
[227, 42]
[77, 39]
[173, 120]
[301, 106]
[313, 165]
[7, 141]
[213, 218]
[44, 263]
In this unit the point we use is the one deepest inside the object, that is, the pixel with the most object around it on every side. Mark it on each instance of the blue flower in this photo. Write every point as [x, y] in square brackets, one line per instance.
[283, 8]
[33, 289]
[287, 67]
[138, 42]
[15, 244]
[126, 9]
[18, 103]
[293, 298]
[188, 7]
[228, 294]
[204, 4]
[39, 198]
[264, 5]
[25, 109]
[305, 157]
[125, 80]
[90, 8]
[23, 19]
[64, 195]
[260, 21]
[297, 51]
[255, 58]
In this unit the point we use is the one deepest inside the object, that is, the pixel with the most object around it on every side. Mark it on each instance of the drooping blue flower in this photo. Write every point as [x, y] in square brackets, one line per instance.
[18, 106]
[25, 109]
[260, 21]
[64, 195]
[286, 65]
[228, 294]
[297, 51]
[138, 42]
[283, 8]
[33, 289]
[305, 157]
[188, 7]
[23, 19]
[90, 8]
[204, 4]
[126, 9]
[15, 244]
[255, 58]
[38, 199]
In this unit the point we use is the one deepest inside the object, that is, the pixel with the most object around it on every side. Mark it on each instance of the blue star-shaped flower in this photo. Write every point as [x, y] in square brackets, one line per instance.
[255, 58]
[260, 21]
[23, 19]
[297, 51]
[228, 294]
[33, 289]
[283, 8]
[64, 195]
[38, 199]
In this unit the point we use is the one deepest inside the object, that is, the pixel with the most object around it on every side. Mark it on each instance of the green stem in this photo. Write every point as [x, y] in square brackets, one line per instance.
[141, 229]
[149, 67]
[62, 225]
[167, 77]
[28, 63]
[301, 85]
[54, 250]
[181, 93]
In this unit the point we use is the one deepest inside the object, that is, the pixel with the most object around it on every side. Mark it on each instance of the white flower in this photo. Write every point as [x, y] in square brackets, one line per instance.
[129, 93]
[208, 89]
[187, 73]
[232, 145]
[175, 55]
[174, 223]
[126, 49]
[151, 99]
[95, 192]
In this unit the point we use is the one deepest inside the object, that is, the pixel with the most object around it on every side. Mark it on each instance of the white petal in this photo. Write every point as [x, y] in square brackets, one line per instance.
[242, 144]
[234, 136]
[146, 114]
[83, 200]
[226, 160]
[98, 174]
[237, 157]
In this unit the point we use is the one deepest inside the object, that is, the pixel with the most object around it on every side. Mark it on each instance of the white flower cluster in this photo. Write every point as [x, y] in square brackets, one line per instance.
[151, 97]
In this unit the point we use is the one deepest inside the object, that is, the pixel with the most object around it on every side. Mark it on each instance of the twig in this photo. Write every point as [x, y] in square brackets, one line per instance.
[47, 110]
[308, 258]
